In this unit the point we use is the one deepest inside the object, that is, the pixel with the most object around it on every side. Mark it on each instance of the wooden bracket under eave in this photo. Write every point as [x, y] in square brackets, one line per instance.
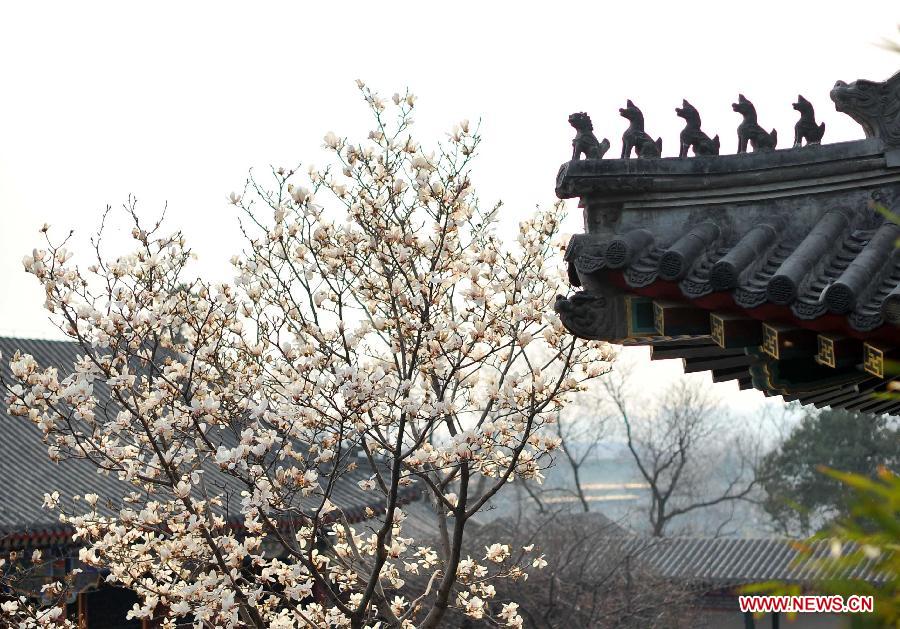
[673, 319]
[783, 342]
[838, 351]
[733, 331]
[639, 316]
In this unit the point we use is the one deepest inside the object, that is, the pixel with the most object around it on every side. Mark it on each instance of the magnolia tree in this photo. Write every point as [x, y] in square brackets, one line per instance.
[379, 331]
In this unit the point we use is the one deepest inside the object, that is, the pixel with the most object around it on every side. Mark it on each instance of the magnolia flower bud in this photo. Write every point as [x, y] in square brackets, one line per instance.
[331, 140]
[182, 489]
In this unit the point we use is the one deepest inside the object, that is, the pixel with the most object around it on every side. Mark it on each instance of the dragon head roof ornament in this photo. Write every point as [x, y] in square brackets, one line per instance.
[874, 105]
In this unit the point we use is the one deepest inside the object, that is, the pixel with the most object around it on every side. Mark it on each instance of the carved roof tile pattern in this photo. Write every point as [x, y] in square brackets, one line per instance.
[834, 269]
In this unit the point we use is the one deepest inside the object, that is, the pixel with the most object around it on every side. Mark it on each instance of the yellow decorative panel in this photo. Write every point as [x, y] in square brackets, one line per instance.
[770, 341]
[873, 360]
[826, 352]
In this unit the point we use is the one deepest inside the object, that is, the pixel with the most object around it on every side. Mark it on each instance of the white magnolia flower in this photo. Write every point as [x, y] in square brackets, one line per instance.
[359, 325]
[331, 140]
[299, 194]
[182, 489]
[497, 552]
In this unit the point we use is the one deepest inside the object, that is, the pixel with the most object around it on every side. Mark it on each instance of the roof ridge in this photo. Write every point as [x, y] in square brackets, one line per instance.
[28, 339]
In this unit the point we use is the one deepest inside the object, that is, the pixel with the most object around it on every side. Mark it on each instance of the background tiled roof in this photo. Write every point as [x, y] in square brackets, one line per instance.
[26, 472]
[735, 561]
[712, 561]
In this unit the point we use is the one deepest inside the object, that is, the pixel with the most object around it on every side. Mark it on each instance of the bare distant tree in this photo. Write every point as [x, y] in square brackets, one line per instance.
[579, 438]
[686, 451]
[580, 429]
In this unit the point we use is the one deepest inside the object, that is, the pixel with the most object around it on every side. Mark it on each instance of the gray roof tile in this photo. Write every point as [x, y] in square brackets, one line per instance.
[27, 472]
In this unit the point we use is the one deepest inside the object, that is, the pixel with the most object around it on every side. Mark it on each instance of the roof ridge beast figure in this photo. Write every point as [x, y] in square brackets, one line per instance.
[874, 105]
[635, 137]
[585, 142]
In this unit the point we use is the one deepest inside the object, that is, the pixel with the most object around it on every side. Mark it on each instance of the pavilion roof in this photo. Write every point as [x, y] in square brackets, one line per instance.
[781, 266]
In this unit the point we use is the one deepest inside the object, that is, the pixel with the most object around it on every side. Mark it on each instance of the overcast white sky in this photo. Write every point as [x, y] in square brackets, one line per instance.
[175, 102]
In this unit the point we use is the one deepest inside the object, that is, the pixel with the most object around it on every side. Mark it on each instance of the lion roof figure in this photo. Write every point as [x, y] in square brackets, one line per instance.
[585, 142]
